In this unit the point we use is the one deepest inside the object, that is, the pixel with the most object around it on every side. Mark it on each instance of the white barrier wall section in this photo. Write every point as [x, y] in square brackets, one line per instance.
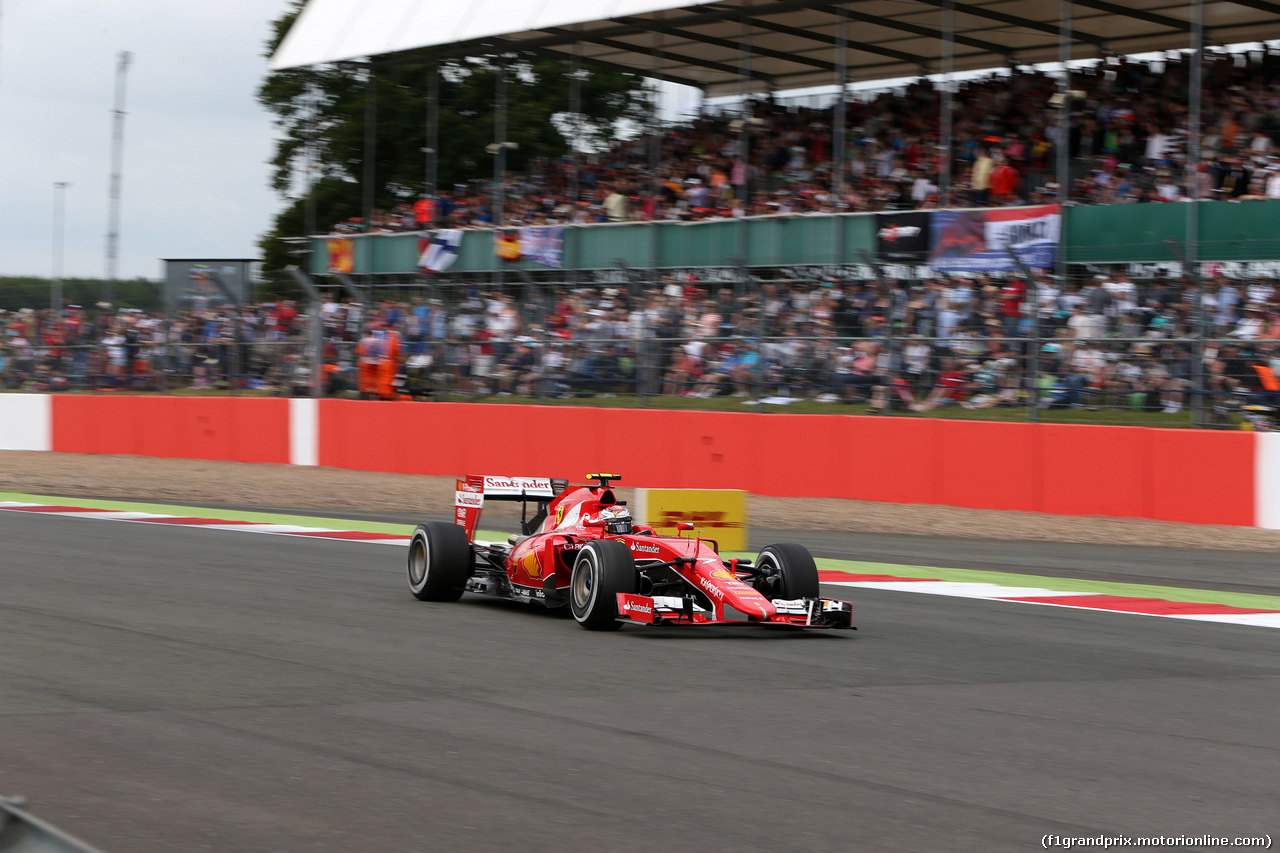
[304, 432]
[26, 422]
[1266, 480]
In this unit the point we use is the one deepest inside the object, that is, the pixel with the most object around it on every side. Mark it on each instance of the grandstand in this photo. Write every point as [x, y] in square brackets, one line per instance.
[811, 276]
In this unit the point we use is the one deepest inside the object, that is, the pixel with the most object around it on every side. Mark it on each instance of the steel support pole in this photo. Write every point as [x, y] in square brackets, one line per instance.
[1063, 146]
[1191, 263]
[500, 143]
[313, 162]
[744, 132]
[839, 135]
[1062, 150]
[948, 107]
[643, 351]
[433, 142]
[575, 114]
[370, 146]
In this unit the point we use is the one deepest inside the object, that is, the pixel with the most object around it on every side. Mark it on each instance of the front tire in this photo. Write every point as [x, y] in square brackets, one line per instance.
[603, 569]
[795, 570]
[439, 561]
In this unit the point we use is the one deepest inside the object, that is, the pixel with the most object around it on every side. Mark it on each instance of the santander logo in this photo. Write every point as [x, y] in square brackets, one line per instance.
[516, 484]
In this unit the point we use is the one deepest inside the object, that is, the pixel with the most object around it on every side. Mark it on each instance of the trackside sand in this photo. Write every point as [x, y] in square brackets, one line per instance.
[177, 480]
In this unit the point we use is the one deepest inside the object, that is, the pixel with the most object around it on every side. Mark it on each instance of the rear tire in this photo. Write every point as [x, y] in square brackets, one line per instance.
[439, 561]
[603, 569]
[794, 567]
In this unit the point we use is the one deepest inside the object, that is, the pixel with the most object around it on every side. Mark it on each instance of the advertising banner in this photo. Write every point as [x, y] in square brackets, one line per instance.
[543, 245]
[902, 236]
[981, 240]
[719, 514]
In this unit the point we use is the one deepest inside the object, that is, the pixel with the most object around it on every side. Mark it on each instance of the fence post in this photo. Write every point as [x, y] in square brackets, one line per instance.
[234, 299]
[891, 338]
[1192, 270]
[315, 331]
[1033, 356]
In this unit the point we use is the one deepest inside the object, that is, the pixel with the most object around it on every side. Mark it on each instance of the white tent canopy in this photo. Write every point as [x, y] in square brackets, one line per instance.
[791, 42]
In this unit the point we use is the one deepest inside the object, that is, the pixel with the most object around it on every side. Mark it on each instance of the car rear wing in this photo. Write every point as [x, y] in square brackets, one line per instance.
[473, 491]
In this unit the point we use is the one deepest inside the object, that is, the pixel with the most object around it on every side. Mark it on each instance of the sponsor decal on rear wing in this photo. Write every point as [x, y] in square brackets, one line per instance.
[516, 488]
[468, 502]
[472, 492]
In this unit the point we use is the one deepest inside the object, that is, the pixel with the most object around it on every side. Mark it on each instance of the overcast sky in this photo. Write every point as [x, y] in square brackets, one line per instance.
[196, 141]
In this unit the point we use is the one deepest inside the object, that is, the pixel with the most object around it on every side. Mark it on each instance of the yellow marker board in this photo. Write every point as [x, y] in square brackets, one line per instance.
[719, 514]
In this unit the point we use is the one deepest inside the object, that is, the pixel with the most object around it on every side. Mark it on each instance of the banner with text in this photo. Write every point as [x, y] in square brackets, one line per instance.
[543, 245]
[981, 240]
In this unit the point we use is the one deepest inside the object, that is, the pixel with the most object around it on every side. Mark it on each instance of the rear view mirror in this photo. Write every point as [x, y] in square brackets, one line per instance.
[683, 525]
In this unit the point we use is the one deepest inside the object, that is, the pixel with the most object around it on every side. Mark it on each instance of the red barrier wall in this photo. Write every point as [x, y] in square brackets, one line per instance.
[1175, 475]
[228, 428]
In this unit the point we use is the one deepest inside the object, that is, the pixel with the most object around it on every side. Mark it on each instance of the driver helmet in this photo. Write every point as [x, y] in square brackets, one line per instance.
[616, 519]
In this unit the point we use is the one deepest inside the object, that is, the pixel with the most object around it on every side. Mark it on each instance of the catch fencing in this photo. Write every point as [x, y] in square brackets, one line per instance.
[1142, 380]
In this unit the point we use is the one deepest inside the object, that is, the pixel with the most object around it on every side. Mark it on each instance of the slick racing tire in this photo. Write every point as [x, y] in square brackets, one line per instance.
[439, 561]
[603, 569]
[796, 572]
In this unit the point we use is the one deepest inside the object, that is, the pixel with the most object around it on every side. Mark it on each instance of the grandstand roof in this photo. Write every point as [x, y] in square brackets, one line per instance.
[697, 42]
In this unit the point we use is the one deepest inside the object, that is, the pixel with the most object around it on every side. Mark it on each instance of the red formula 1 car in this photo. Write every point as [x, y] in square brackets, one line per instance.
[580, 550]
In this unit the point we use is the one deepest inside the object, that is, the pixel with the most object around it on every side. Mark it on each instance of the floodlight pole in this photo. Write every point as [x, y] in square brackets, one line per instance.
[948, 108]
[59, 208]
[117, 156]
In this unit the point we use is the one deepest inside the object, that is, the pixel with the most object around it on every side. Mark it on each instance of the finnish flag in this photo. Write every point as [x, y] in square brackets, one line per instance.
[441, 252]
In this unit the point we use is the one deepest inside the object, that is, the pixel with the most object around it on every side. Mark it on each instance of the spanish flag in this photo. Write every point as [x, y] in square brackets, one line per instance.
[507, 245]
[341, 254]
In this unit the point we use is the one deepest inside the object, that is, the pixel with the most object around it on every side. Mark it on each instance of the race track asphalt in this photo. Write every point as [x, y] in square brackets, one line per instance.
[182, 689]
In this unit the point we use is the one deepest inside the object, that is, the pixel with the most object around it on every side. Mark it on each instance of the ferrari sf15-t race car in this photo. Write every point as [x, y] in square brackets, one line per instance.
[581, 550]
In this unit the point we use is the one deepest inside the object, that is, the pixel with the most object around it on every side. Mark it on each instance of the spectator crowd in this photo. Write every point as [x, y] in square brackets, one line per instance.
[1127, 142]
[922, 344]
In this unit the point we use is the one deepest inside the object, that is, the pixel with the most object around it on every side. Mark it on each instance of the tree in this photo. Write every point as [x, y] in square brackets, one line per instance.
[320, 112]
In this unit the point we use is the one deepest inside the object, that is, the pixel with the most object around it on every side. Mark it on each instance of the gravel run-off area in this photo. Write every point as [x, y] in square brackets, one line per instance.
[141, 478]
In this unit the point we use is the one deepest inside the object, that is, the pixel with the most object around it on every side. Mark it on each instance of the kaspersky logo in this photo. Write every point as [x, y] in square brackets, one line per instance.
[710, 587]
